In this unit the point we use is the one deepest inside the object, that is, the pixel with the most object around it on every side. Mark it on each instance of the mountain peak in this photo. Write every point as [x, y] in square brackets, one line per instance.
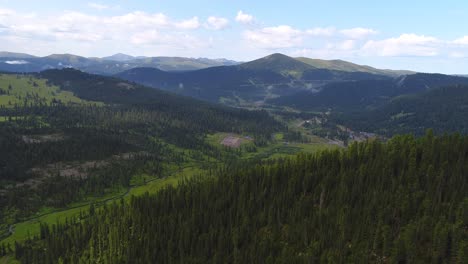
[278, 63]
[119, 57]
[277, 56]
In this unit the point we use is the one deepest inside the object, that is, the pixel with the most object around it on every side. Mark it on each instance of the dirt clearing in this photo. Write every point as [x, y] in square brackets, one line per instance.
[231, 141]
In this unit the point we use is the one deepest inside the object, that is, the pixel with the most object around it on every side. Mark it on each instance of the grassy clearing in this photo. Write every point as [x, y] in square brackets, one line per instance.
[29, 228]
[157, 184]
[278, 136]
[51, 216]
[282, 150]
[215, 139]
[15, 89]
[278, 148]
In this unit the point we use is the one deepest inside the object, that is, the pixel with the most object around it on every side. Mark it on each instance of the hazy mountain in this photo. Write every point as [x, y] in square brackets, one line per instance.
[272, 76]
[119, 57]
[213, 84]
[15, 62]
[14, 55]
[354, 95]
[340, 65]
[278, 63]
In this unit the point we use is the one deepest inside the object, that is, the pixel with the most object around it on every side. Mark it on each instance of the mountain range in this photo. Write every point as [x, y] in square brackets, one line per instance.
[20, 62]
[255, 81]
[277, 79]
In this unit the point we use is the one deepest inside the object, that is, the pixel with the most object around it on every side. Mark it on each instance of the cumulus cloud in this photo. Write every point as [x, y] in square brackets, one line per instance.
[404, 45]
[98, 6]
[192, 23]
[244, 18]
[217, 23]
[358, 32]
[175, 40]
[321, 32]
[347, 45]
[458, 55]
[461, 41]
[78, 32]
[147, 33]
[274, 37]
[84, 27]
[6, 12]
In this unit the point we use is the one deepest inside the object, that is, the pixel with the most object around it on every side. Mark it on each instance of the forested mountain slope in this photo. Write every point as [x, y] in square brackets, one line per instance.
[340, 65]
[359, 95]
[403, 201]
[264, 78]
[444, 109]
[68, 136]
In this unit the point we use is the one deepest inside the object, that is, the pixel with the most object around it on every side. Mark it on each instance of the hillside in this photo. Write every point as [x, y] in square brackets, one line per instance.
[214, 84]
[247, 83]
[278, 63]
[340, 65]
[72, 139]
[360, 95]
[443, 109]
[15, 55]
[310, 209]
[24, 90]
[119, 57]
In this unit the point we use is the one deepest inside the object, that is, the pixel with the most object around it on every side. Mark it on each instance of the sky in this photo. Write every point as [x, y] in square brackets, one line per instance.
[426, 36]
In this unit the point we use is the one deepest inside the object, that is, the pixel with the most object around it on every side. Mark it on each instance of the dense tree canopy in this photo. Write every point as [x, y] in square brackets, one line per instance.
[403, 201]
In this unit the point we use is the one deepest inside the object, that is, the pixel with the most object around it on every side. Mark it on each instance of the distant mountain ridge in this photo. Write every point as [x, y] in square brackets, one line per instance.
[119, 57]
[19, 62]
[216, 80]
[15, 55]
[255, 81]
[120, 62]
[341, 65]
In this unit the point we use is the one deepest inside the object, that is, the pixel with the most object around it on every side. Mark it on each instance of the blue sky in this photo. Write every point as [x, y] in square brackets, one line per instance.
[429, 36]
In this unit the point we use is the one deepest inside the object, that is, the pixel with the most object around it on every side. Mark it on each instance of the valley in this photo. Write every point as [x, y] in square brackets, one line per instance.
[233, 132]
[79, 149]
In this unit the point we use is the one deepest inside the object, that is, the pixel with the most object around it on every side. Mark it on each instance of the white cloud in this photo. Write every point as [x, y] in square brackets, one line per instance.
[192, 23]
[274, 37]
[404, 45]
[358, 33]
[16, 62]
[244, 18]
[178, 41]
[98, 6]
[146, 33]
[83, 27]
[6, 12]
[458, 55]
[461, 41]
[347, 45]
[321, 32]
[82, 33]
[217, 23]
